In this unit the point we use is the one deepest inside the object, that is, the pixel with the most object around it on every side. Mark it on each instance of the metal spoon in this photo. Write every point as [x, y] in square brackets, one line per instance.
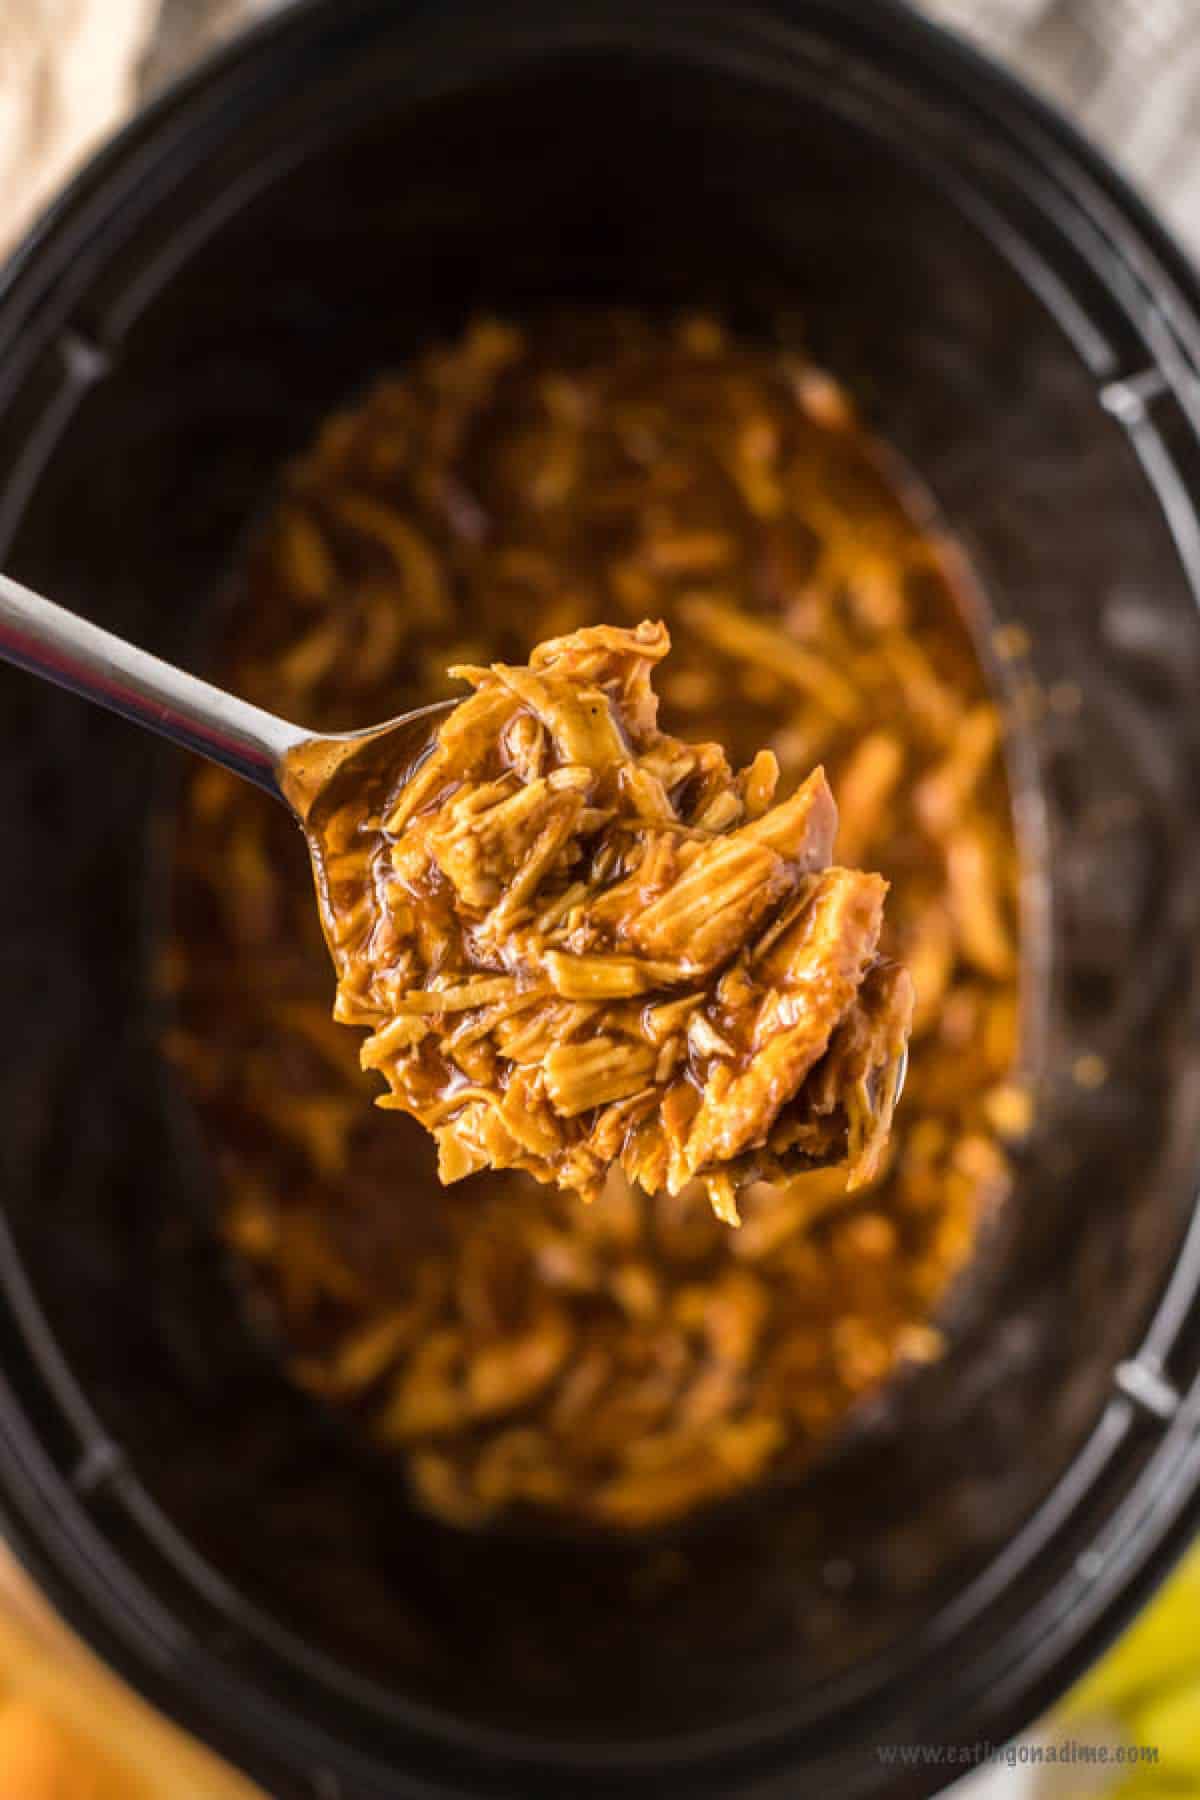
[292, 764]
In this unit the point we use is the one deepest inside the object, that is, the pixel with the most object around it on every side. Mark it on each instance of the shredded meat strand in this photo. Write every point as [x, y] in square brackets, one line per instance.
[515, 921]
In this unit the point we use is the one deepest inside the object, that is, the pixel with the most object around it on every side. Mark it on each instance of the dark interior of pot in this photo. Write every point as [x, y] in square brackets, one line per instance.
[324, 237]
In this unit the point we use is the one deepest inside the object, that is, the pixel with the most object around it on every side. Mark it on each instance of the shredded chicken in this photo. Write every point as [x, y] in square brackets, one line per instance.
[629, 1362]
[577, 941]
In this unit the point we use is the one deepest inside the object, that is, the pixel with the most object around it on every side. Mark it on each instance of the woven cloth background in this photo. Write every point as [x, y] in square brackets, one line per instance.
[1127, 70]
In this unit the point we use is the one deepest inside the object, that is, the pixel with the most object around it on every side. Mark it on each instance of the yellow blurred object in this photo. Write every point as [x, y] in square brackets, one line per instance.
[1149, 1684]
[1172, 1721]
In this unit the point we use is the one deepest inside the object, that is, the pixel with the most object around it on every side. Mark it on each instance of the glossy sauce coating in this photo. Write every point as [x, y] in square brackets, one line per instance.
[625, 1362]
[580, 943]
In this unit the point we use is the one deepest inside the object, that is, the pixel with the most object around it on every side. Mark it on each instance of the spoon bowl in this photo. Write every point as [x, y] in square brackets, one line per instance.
[309, 768]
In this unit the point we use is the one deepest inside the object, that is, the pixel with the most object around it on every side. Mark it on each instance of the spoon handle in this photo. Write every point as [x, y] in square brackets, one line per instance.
[61, 647]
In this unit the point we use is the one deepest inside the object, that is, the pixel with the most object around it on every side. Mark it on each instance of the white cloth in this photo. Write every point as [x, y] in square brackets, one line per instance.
[1127, 71]
[68, 74]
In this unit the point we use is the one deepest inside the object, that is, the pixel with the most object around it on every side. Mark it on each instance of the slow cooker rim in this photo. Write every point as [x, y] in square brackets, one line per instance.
[261, 38]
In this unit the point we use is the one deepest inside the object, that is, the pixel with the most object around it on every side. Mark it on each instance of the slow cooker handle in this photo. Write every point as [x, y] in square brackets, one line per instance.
[60, 646]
